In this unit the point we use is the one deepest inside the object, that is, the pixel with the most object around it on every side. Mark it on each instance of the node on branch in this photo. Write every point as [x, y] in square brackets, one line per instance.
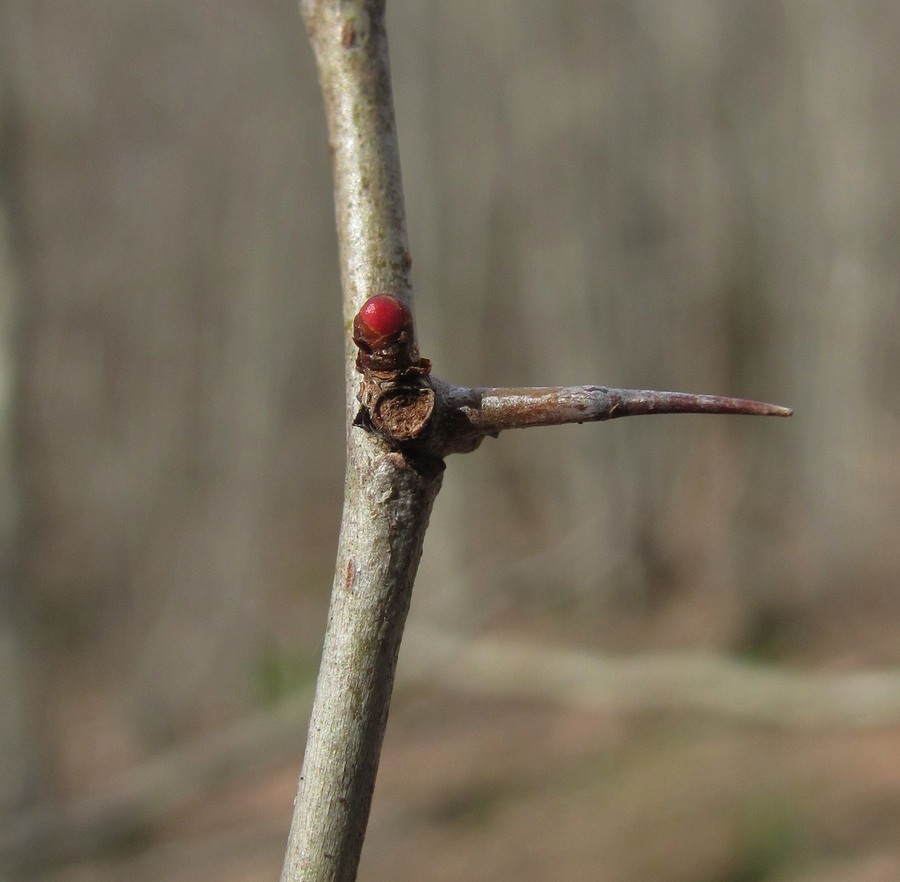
[416, 412]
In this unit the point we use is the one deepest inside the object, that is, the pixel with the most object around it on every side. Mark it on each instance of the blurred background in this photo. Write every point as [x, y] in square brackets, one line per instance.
[679, 194]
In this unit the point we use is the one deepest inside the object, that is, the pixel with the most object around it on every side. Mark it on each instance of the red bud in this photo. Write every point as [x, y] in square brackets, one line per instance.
[383, 331]
[383, 315]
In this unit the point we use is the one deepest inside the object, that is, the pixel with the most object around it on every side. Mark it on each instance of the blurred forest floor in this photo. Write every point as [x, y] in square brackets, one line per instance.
[484, 784]
[493, 789]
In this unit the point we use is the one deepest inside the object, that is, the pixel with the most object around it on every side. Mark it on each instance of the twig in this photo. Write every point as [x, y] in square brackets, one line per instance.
[463, 417]
[401, 425]
[388, 497]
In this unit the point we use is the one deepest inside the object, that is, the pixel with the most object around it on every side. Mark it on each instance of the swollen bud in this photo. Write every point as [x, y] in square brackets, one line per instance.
[382, 315]
[396, 397]
[383, 331]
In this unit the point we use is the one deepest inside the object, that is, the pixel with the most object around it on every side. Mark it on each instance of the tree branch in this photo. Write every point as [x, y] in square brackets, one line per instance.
[463, 417]
[420, 414]
[401, 425]
[388, 497]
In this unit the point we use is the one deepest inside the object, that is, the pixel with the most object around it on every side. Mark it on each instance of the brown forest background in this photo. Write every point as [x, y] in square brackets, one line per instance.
[677, 194]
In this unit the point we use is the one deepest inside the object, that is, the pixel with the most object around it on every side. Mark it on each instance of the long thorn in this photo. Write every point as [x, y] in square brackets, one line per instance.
[635, 402]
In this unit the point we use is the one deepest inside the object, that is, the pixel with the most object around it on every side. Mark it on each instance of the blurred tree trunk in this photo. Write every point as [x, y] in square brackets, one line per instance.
[161, 371]
[19, 734]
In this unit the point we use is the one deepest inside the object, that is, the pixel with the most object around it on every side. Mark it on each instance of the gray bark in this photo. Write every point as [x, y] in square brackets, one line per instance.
[395, 448]
[387, 501]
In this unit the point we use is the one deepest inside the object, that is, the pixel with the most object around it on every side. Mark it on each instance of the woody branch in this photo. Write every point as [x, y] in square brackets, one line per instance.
[405, 405]
[402, 422]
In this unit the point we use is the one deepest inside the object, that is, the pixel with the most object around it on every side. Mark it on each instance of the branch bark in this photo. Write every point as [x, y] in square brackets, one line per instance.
[463, 417]
[401, 424]
[388, 496]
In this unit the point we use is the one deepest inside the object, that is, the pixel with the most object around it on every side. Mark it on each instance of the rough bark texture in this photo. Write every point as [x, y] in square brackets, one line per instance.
[401, 424]
[387, 499]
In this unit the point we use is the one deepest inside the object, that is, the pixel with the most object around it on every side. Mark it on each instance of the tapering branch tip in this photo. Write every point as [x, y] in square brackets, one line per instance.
[637, 402]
